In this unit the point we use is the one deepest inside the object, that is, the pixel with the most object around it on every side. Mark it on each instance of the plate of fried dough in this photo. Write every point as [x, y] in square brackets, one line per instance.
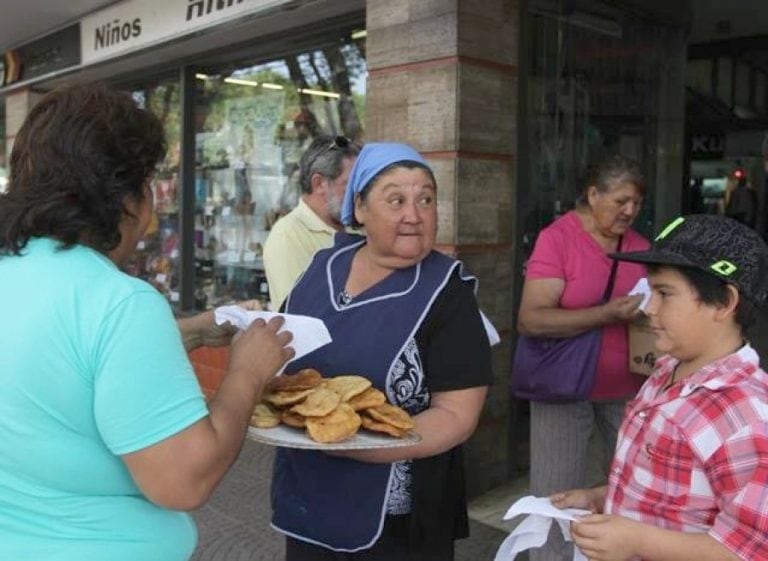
[307, 410]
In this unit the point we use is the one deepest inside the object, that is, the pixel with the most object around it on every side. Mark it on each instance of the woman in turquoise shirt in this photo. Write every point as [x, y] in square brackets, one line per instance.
[105, 432]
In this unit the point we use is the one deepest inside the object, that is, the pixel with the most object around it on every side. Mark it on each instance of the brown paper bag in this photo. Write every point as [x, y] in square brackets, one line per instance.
[642, 347]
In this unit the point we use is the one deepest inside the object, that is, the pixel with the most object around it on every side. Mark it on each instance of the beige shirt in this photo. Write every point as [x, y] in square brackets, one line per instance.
[289, 248]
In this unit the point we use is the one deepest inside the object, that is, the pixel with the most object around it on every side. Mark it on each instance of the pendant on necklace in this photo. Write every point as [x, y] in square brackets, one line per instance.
[344, 299]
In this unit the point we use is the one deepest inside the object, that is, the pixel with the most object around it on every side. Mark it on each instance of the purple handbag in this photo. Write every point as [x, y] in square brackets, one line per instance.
[558, 369]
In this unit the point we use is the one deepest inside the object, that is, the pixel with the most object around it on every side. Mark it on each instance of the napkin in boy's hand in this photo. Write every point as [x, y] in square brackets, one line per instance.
[308, 333]
[533, 531]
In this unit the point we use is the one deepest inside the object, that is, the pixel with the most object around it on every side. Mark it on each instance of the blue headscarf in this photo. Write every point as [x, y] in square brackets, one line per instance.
[373, 158]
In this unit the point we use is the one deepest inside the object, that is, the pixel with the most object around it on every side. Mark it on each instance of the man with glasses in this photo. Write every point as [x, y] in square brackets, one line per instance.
[323, 173]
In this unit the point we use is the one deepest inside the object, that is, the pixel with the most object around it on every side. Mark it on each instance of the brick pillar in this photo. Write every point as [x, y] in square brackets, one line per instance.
[443, 77]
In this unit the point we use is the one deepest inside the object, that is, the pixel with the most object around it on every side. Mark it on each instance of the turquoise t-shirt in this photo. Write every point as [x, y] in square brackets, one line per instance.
[92, 366]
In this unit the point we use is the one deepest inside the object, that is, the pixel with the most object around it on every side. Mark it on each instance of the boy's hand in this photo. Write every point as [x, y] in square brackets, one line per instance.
[589, 499]
[606, 537]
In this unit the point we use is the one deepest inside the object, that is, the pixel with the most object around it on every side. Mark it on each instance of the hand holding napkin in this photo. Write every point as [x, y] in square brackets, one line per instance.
[534, 529]
[308, 333]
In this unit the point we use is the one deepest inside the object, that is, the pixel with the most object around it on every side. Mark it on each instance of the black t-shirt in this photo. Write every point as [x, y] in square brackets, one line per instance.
[452, 341]
[743, 205]
[454, 348]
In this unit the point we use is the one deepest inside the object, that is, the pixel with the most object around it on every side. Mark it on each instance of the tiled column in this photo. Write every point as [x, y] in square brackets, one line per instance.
[443, 77]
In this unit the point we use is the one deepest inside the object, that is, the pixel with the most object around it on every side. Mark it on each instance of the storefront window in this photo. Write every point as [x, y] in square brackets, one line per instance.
[3, 150]
[252, 125]
[157, 259]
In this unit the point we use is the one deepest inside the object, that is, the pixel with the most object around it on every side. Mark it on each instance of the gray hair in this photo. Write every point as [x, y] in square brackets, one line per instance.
[325, 156]
[604, 174]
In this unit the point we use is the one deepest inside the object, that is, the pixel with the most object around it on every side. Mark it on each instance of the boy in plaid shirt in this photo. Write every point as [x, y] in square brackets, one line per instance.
[689, 478]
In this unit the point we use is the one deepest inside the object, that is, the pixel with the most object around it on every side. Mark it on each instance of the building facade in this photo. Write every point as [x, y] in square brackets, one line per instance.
[509, 101]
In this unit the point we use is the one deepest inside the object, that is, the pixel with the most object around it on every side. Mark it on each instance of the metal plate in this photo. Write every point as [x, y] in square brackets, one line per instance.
[290, 437]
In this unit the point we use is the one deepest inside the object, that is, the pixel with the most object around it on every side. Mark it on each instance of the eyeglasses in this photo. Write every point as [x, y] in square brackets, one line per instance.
[340, 142]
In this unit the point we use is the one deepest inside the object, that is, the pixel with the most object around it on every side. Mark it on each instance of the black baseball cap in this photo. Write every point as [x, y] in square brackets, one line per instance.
[716, 244]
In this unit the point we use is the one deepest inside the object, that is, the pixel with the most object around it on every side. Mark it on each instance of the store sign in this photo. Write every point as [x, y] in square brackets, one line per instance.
[707, 146]
[10, 68]
[138, 24]
[53, 52]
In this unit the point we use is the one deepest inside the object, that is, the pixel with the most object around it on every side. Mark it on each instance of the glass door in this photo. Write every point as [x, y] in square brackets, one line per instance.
[252, 124]
[595, 87]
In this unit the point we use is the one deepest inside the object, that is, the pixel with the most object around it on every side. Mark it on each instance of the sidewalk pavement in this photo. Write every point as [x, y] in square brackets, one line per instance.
[234, 525]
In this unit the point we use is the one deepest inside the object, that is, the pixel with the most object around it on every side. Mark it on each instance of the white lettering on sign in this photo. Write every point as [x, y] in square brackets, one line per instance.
[707, 143]
[138, 24]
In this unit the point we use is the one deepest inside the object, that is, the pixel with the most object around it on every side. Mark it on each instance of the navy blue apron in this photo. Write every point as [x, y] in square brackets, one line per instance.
[337, 502]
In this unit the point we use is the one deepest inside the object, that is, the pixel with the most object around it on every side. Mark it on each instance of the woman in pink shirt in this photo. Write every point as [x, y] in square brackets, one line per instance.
[564, 284]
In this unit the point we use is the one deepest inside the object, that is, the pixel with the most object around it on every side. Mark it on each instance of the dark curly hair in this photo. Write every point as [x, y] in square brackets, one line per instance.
[80, 152]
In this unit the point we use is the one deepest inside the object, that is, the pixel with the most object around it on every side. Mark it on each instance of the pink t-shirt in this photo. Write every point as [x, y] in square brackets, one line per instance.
[564, 250]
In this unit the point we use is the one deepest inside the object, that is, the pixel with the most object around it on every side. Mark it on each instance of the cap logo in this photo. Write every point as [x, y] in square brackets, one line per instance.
[671, 226]
[724, 268]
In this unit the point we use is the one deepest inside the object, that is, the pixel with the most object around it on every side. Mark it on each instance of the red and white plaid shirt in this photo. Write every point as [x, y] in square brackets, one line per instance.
[694, 457]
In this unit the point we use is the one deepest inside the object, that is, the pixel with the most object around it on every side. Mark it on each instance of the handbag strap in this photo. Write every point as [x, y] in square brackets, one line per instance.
[612, 277]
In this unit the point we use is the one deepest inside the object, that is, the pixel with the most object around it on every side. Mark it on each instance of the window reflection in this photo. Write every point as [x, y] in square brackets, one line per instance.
[157, 259]
[3, 155]
[252, 125]
[593, 89]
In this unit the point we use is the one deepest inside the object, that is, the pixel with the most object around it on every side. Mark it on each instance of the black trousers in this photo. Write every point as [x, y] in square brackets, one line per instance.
[393, 545]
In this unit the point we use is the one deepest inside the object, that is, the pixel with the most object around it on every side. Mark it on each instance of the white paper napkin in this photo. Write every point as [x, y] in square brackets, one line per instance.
[642, 287]
[534, 529]
[308, 333]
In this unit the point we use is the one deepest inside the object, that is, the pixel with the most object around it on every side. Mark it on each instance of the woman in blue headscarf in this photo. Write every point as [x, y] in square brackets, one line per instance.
[405, 316]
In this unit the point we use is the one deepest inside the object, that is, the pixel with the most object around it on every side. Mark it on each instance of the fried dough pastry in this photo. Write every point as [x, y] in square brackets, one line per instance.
[341, 424]
[377, 426]
[348, 386]
[319, 403]
[292, 419]
[330, 409]
[392, 415]
[264, 416]
[285, 398]
[369, 398]
[305, 379]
